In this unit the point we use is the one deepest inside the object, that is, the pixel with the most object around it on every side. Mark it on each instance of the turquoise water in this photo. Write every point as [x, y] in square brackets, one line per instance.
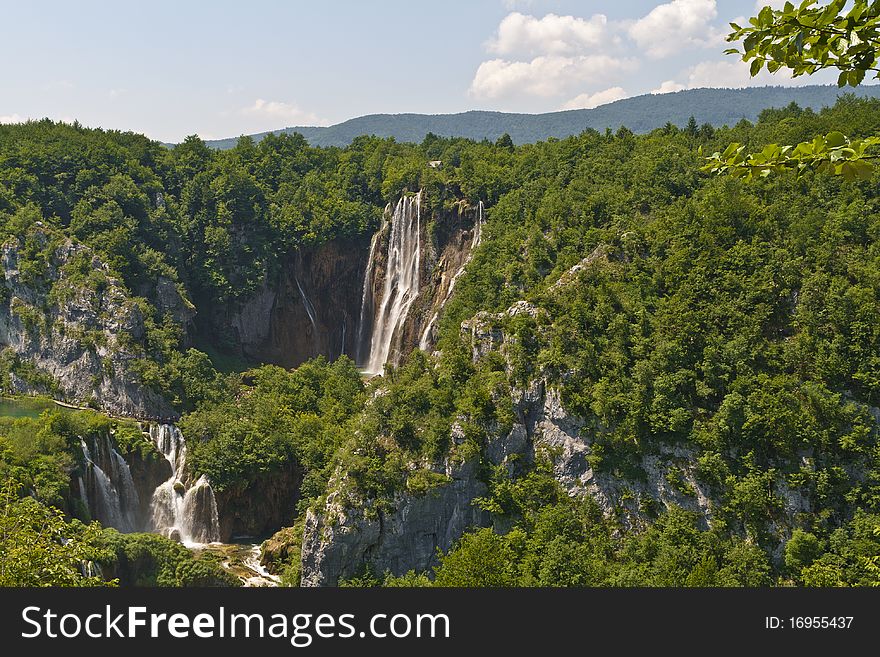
[24, 407]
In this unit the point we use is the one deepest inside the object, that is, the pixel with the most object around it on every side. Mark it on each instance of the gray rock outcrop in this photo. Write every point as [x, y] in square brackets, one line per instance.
[79, 340]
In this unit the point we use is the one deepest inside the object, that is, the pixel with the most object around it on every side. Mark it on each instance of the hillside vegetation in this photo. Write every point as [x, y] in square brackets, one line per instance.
[737, 322]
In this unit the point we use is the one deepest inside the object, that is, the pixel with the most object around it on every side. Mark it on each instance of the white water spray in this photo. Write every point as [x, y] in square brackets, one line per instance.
[402, 270]
[114, 499]
[190, 512]
[366, 297]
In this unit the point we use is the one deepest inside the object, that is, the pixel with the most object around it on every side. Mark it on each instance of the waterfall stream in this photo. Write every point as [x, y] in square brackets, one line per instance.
[189, 513]
[402, 270]
[108, 488]
[366, 299]
[310, 310]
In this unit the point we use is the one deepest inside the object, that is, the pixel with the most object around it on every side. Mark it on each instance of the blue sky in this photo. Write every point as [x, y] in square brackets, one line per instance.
[220, 69]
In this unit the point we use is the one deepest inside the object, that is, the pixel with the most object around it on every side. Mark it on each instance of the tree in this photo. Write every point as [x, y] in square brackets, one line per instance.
[481, 558]
[38, 548]
[806, 39]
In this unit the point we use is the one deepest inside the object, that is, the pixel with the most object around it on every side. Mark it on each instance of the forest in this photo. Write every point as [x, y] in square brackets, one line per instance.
[735, 324]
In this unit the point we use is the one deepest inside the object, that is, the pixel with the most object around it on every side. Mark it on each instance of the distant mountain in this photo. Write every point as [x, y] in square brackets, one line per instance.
[639, 114]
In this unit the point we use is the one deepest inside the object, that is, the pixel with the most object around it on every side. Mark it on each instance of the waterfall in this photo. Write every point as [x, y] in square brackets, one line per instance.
[425, 340]
[342, 346]
[366, 297]
[190, 513]
[108, 488]
[310, 310]
[401, 279]
[82, 491]
[91, 569]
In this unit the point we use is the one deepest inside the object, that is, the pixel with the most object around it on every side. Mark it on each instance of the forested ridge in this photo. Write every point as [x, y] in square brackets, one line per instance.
[734, 324]
[640, 114]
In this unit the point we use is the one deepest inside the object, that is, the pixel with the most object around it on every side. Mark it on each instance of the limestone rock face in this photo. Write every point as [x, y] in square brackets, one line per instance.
[446, 255]
[312, 305]
[84, 340]
[568, 443]
[309, 308]
[338, 540]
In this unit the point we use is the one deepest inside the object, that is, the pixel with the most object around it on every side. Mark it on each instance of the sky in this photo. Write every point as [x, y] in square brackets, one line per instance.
[224, 68]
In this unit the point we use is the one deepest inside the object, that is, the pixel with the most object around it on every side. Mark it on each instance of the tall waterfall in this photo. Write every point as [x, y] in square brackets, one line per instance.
[108, 488]
[366, 299]
[401, 280]
[425, 340]
[190, 512]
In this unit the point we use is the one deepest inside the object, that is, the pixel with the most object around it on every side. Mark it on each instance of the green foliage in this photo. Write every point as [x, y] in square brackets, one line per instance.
[153, 560]
[481, 558]
[38, 548]
[832, 154]
[269, 419]
[806, 39]
[673, 313]
[802, 550]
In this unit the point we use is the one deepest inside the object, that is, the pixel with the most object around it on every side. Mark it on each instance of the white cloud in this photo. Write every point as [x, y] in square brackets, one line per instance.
[544, 76]
[12, 118]
[589, 101]
[675, 26]
[550, 35]
[667, 87]
[276, 110]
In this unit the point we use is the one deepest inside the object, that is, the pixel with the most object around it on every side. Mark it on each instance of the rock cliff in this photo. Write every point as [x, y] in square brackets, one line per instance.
[308, 308]
[339, 541]
[76, 338]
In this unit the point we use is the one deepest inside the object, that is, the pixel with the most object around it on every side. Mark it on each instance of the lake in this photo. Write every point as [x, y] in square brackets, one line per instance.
[25, 406]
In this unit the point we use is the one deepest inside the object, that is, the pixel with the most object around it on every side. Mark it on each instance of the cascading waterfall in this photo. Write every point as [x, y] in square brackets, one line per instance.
[190, 513]
[108, 491]
[401, 287]
[366, 298]
[425, 340]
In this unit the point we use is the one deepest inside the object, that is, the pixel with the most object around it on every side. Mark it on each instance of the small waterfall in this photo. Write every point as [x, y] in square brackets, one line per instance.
[263, 577]
[425, 340]
[310, 310]
[108, 488]
[91, 569]
[342, 346]
[401, 287]
[82, 492]
[190, 513]
[366, 298]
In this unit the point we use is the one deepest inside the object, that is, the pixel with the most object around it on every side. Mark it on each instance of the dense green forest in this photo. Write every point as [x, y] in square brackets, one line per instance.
[739, 322]
[640, 114]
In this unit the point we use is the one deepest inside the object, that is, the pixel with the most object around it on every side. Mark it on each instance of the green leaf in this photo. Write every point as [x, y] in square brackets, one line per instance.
[835, 140]
[756, 67]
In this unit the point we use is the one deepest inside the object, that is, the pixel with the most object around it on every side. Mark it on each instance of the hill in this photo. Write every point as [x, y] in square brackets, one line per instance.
[640, 114]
